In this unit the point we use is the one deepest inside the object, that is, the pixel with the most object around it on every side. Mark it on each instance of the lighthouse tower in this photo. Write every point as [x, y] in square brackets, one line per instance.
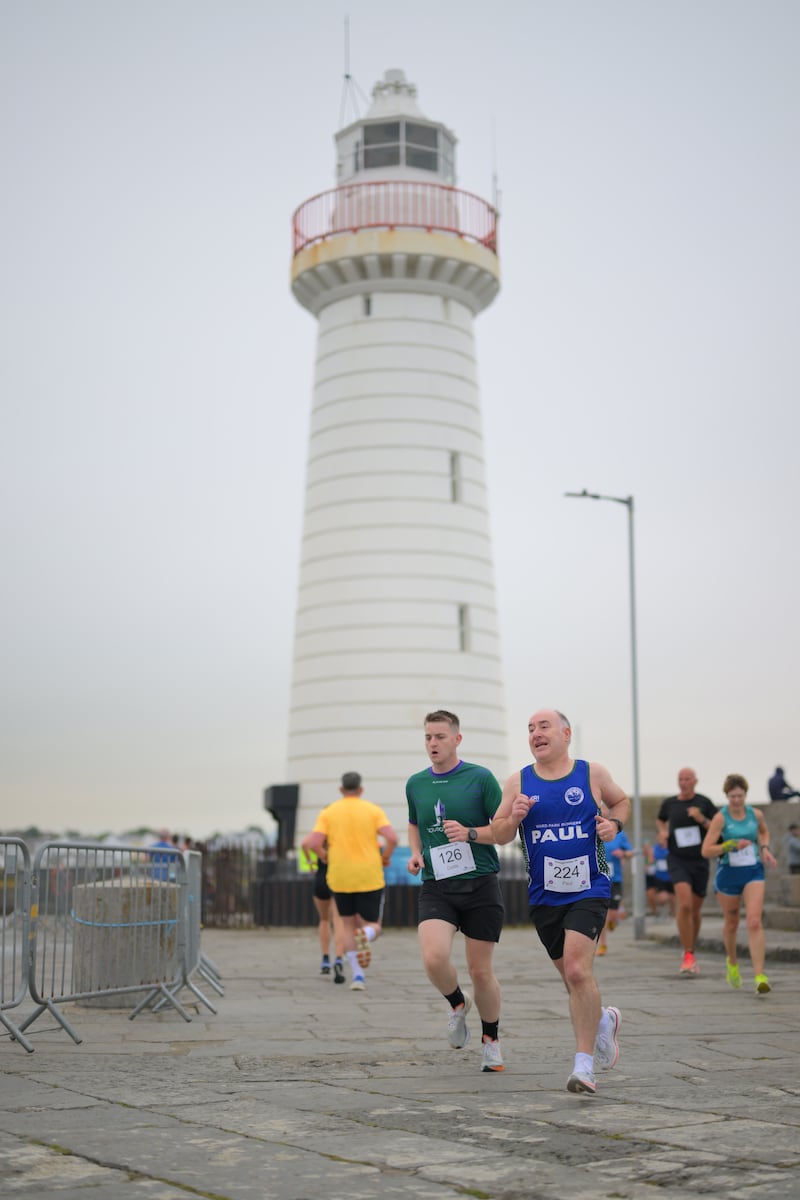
[396, 604]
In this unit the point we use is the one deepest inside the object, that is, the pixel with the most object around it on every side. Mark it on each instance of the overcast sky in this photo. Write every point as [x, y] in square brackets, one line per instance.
[157, 374]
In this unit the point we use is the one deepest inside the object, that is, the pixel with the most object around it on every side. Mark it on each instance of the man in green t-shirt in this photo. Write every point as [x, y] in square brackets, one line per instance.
[450, 807]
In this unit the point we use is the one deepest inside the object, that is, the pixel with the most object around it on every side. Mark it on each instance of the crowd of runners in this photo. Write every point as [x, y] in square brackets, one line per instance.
[569, 815]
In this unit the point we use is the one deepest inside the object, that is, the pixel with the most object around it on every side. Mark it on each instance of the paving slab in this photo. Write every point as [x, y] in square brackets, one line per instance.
[298, 1089]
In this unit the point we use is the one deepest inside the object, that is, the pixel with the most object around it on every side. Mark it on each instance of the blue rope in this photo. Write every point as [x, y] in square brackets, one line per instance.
[120, 924]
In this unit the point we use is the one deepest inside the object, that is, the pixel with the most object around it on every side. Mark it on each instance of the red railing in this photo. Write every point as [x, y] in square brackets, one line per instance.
[395, 204]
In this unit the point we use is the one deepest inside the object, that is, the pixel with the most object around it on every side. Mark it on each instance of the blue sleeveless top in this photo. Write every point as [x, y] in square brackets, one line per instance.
[746, 828]
[566, 860]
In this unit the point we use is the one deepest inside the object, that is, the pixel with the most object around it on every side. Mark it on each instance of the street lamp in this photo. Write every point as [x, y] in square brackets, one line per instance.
[638, 860]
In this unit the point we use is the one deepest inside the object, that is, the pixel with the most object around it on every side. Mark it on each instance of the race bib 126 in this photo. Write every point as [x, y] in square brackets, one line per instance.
[456, 858]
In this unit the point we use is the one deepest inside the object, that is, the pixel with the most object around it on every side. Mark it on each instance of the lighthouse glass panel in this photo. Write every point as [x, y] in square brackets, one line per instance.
[382, 144]
[421, 144]
[447, 150]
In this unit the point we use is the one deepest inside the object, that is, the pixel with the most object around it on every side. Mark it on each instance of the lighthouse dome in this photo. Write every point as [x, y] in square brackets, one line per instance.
[394, 96]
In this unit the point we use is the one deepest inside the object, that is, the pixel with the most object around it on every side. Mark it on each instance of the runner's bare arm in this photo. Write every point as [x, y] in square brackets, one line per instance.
[767, 857]
[611, 798]
[416, 862]
[389, 842]
[513, 807]
[313, 842]
[456, 832]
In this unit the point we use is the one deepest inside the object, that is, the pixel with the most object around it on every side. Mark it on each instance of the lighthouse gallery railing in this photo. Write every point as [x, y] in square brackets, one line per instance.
[395, 204]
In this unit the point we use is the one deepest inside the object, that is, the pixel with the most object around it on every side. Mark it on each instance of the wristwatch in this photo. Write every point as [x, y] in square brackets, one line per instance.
[617, 822]
[472, 835]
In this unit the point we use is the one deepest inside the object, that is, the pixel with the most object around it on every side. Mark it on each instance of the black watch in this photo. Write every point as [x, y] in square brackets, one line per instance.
[472, 835]
[617, 822]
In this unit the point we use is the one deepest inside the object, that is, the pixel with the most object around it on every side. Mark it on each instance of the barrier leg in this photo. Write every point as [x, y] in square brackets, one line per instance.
[164, 992]
[211, 975]
[48, 1006]
[192, 988]
[16, 1034]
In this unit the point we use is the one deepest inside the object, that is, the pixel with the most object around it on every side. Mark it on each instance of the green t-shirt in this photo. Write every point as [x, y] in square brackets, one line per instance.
[468, 794]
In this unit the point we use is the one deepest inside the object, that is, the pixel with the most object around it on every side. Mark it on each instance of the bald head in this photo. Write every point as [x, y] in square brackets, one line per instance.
[549, 736]
[687, 781]
[551, 714]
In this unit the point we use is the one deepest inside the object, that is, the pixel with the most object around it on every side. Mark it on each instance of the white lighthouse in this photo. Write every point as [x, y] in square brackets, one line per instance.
[396, 610]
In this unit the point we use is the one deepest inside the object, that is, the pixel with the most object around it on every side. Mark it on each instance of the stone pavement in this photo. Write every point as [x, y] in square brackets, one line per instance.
[298, 1089]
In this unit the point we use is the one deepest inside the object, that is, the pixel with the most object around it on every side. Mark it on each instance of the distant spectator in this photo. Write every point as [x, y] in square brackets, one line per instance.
[164, 868]
[779, 789]
[164, 841]
[658, 885]
[792, 844]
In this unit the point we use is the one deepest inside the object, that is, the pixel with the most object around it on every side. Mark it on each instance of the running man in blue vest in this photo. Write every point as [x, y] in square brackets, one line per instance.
[565, 810]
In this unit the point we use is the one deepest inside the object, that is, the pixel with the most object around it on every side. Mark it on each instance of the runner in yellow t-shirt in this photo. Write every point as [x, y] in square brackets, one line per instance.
[351, 827]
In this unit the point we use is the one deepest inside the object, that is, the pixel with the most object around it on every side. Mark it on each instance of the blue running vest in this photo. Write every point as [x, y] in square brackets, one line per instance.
[566, 859]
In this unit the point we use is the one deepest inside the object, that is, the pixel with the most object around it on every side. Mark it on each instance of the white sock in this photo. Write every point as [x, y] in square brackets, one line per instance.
[352, 958]
[584, 1063]
[370, 933]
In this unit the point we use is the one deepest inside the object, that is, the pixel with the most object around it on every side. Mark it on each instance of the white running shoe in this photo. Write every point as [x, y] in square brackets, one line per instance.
[582, 1081]
[492, 1058]
[606, 1050]
[457, 1031]
[358, 984]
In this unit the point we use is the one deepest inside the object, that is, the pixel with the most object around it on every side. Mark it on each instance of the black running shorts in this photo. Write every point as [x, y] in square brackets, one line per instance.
[367, 905]
[475, 906]
[552, 920]
[693, 871]
[321, 889]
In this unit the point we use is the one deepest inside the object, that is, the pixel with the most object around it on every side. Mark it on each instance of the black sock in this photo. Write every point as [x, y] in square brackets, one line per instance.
[455, 998]
[490, 1029]
[325, 959]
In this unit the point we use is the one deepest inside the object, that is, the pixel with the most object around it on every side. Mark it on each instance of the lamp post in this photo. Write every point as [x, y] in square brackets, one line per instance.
[638, 859]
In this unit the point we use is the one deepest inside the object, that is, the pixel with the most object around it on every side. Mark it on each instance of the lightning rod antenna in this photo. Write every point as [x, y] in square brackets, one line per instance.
[496, 194]
[350, 89]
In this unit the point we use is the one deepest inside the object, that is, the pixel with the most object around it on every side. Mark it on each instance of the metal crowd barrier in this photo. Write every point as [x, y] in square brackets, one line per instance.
[15, 924]
[107, 924]
[195, 960]
[89, 923]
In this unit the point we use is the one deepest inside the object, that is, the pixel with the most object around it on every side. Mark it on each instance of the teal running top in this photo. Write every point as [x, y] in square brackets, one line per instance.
[733, 830]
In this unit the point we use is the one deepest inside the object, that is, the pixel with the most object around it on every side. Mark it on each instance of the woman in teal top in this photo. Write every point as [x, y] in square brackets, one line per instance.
[739, 839]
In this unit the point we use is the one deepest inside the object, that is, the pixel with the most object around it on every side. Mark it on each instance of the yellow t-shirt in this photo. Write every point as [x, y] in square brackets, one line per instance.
[354, 858]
